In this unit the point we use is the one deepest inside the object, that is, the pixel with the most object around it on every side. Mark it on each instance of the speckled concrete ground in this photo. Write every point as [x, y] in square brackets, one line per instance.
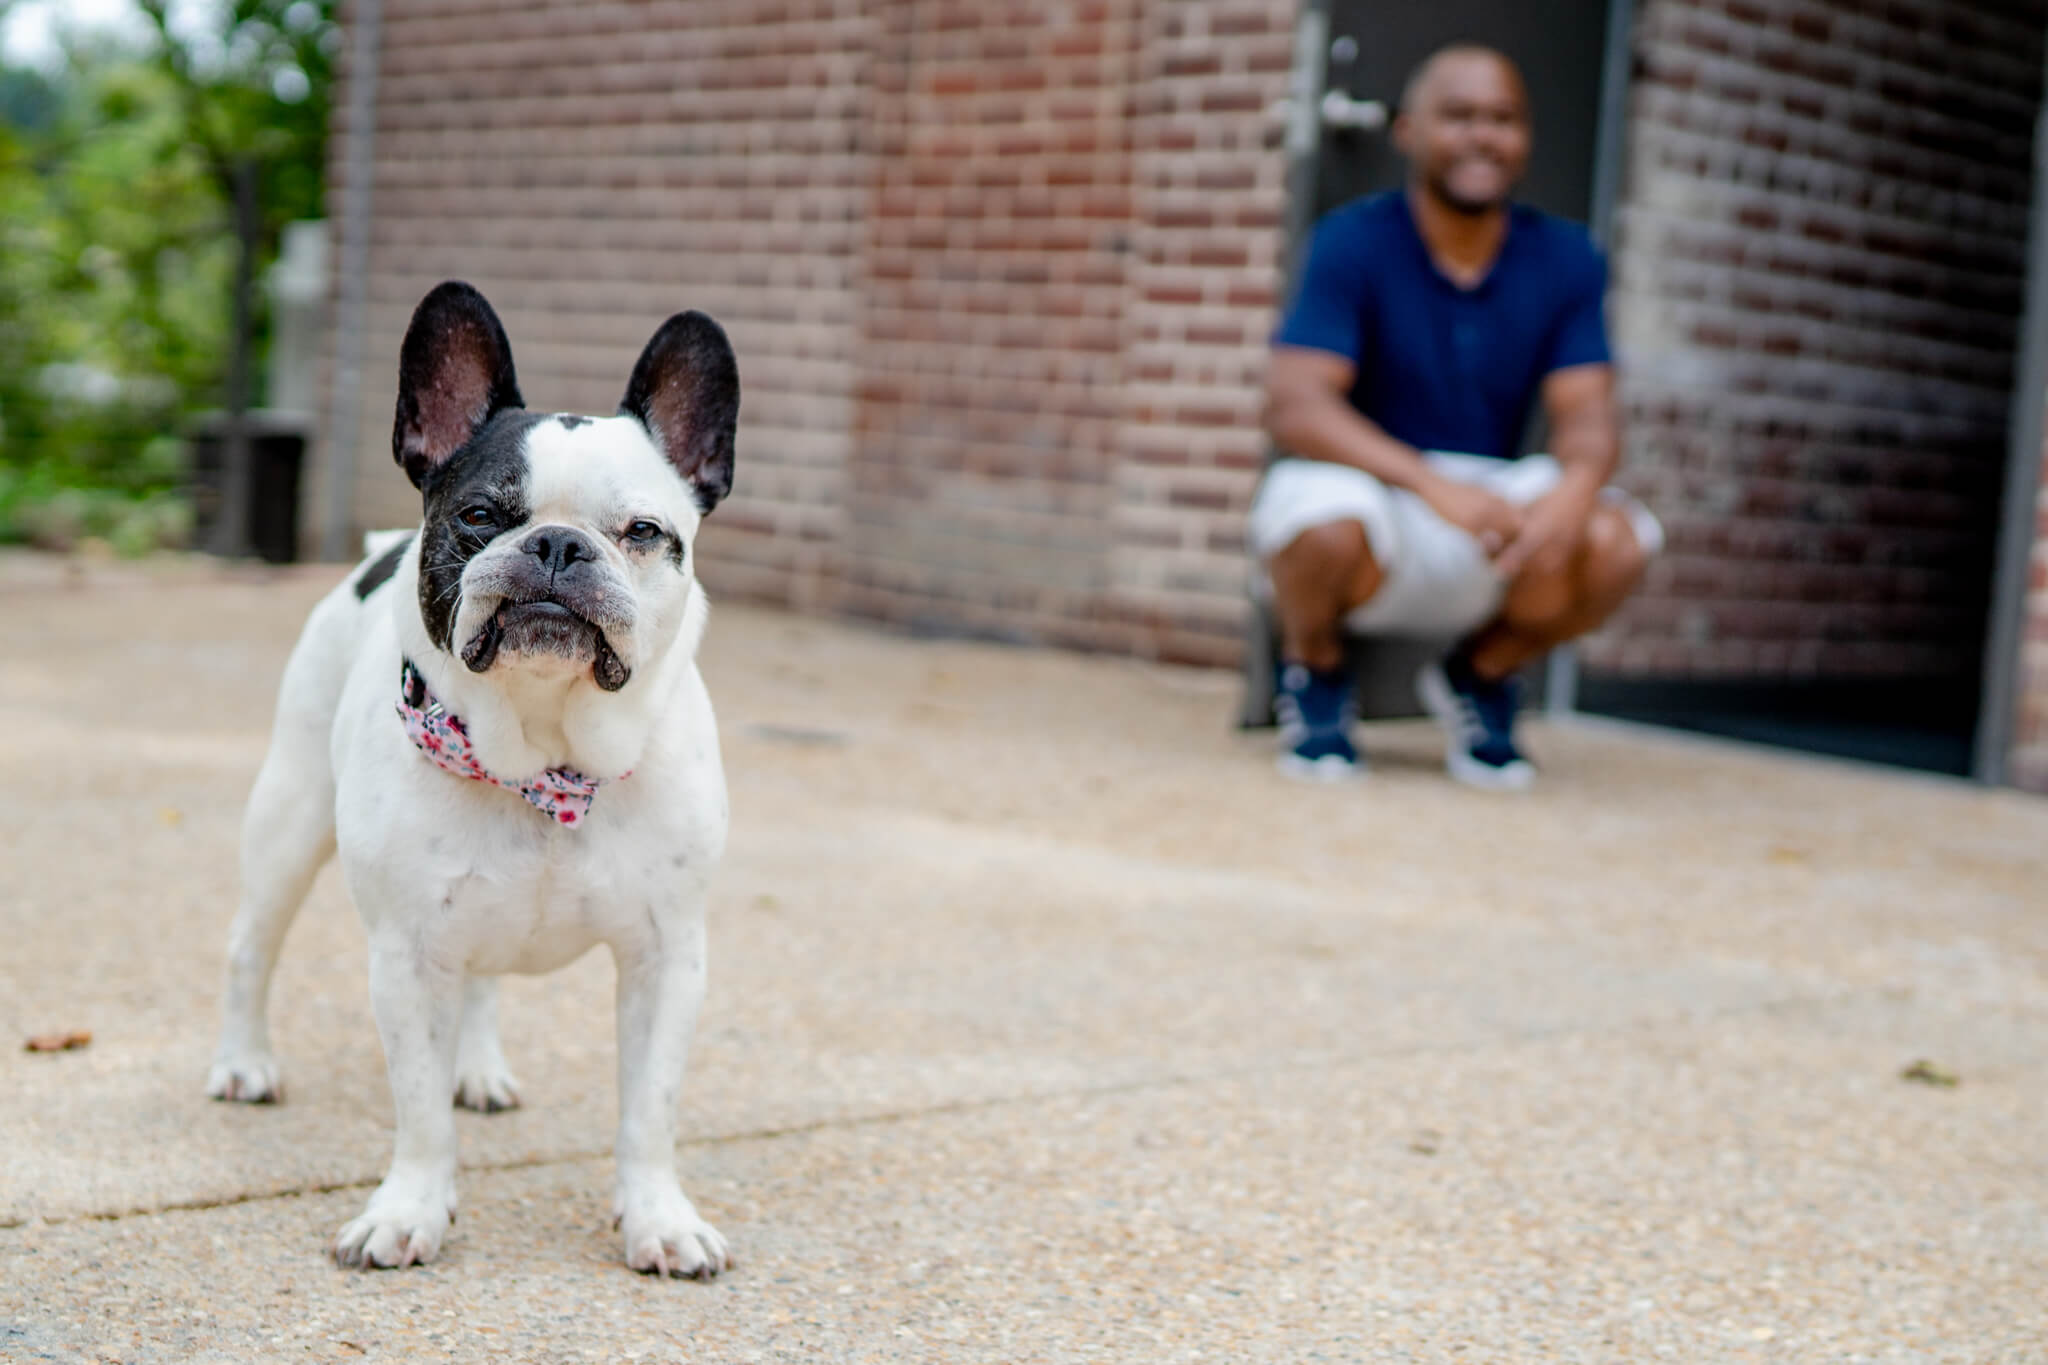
[1048, 1024]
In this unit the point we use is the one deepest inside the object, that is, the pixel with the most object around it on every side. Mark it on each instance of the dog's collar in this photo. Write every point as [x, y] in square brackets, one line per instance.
[562, 794]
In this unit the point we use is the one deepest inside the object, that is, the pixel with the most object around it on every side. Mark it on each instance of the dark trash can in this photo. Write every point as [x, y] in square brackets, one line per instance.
[277, 452]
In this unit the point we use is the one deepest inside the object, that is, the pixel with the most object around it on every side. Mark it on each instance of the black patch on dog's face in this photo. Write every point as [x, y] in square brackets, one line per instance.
[570, 421]
[380, 570]
[491, 472]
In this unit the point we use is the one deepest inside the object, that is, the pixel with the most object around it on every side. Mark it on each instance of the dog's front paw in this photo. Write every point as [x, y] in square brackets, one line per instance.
[487, 1091]
[403, 1225]
[392, 1238]
[664, 1236]
[250, 1077]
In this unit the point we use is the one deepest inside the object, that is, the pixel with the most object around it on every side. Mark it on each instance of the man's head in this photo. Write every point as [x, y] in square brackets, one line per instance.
[1464, 127]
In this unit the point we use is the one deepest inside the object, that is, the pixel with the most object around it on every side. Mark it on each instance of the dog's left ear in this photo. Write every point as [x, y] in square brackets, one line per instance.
[686, 391]
[454, 374]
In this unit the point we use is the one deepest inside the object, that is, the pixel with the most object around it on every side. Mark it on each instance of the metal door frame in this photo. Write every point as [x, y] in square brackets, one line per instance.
[2005, 636]
[1561, 671]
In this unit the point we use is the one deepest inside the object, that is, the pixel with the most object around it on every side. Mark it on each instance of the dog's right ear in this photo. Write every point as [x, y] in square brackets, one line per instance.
[454, 374]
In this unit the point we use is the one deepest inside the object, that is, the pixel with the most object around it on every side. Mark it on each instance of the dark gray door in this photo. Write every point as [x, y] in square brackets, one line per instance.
[1560, 45]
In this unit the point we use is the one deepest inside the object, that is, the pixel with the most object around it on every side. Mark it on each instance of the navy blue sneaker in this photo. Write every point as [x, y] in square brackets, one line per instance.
[1315, 723]
[1478, 717]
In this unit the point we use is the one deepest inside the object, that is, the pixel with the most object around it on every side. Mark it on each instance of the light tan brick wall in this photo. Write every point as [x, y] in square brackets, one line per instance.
[594, 167]
[999, 279]
[1208, 243]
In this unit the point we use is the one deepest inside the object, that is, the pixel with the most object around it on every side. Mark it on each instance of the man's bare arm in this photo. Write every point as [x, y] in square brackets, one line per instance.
[1309, 413]
[1585, 433]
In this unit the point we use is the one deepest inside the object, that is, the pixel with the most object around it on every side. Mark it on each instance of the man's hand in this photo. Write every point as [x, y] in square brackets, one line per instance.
[1551, 530]
[1491, 520]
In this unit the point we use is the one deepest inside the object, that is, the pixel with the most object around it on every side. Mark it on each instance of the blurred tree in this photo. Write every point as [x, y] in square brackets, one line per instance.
[29, 100]
[113, 272]
[255, 76]
[121, 250]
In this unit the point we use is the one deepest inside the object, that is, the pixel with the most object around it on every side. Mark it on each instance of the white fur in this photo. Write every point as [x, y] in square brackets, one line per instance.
[458, 881]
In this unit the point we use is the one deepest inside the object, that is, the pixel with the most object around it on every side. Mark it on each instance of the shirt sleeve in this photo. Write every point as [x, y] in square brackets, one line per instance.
[1580, 337]
[1329, 302]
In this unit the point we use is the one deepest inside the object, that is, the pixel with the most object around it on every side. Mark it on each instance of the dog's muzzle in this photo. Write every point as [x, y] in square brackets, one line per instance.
[555, 599]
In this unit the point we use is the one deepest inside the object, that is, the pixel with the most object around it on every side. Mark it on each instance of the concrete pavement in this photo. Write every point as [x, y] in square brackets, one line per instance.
[1048, 1023]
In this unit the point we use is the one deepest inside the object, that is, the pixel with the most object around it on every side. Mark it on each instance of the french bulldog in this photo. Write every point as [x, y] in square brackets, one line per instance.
[498, 722]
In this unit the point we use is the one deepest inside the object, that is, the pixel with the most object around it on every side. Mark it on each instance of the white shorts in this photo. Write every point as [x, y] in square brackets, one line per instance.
[1438, 581]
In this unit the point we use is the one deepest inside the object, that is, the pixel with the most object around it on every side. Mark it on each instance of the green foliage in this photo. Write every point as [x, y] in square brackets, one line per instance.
[117, 254]
[255, 86]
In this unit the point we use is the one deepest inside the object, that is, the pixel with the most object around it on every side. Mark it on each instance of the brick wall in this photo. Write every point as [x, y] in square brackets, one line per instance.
[593, 167]
[1819, 272]
[991, 357]
[1210, 196]
[1074, 238]
[999, 278]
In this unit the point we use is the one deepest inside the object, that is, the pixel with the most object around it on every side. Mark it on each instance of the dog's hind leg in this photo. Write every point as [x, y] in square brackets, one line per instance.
[483, 1081]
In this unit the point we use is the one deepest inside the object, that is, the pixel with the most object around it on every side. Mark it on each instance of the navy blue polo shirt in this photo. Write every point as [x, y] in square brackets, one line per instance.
[1441, 367]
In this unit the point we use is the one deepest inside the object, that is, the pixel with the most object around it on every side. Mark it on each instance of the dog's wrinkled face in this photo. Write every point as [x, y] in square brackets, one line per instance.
[551, 543]
[557, 543]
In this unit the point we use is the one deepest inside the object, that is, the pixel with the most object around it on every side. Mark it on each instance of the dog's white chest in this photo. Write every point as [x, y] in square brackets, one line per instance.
[543, 916]
[519, 894]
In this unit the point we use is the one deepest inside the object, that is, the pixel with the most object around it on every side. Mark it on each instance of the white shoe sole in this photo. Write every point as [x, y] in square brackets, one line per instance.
[1329, 770]
[1434, 691]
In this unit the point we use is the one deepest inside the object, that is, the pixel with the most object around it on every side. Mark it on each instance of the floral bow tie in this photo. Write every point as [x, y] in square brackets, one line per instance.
[562, 794]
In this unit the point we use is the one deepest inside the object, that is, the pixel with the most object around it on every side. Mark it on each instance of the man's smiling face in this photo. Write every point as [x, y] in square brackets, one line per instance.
[1464, 127]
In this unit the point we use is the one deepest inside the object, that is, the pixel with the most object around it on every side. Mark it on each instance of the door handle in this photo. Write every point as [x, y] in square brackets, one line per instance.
[1341, 112]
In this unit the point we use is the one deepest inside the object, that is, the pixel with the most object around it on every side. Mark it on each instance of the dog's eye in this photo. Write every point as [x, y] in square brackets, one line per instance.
[476, 518]
[642, 531]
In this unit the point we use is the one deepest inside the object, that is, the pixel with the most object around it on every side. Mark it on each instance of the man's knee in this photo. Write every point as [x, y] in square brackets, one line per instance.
[1331, 547]
[1609, 564]
[1336, 556]
[1538, 600]
[1615, 559]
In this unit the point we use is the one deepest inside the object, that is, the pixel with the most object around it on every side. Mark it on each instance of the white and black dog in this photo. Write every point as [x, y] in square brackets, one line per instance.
[499, 723]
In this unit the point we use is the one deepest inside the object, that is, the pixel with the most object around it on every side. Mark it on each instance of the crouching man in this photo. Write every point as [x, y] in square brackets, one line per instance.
[1427, 323]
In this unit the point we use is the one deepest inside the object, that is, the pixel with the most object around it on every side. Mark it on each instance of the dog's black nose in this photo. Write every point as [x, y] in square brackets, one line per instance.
[557, 547]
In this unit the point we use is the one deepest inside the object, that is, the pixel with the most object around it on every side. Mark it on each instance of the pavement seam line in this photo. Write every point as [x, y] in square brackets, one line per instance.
[858, 1121]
